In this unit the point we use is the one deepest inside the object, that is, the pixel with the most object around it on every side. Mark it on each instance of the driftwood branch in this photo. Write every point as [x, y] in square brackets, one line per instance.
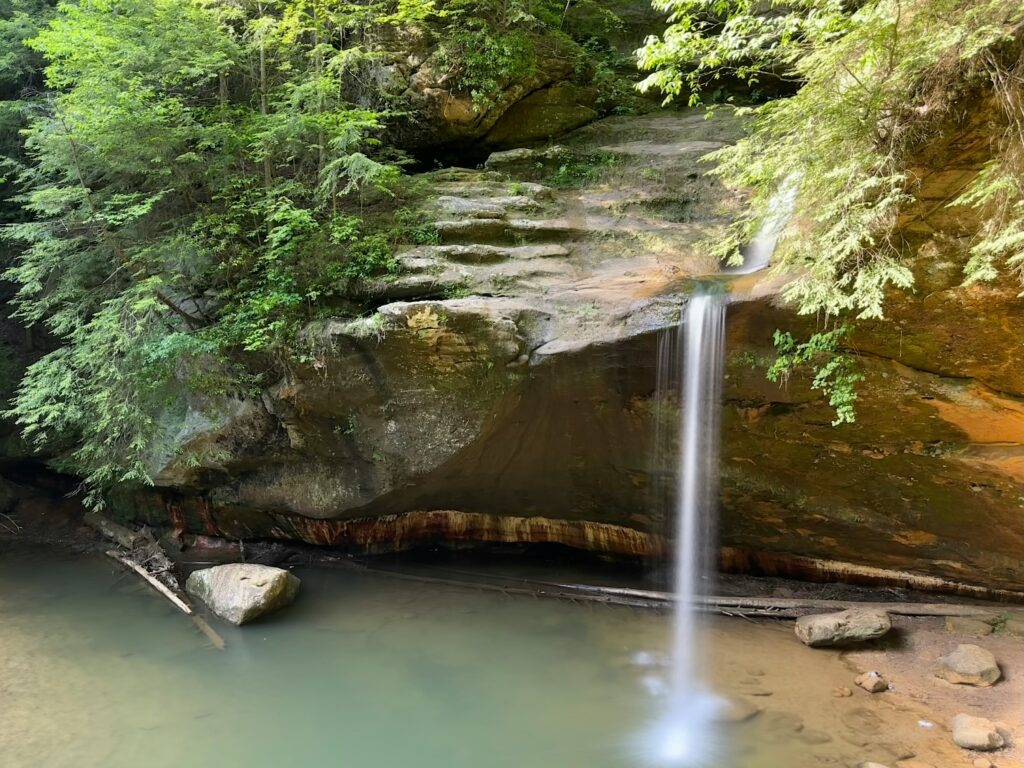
[151, 577]
[745, 607]
[210, 632]
[790, 607]
[126, 537]
[13, 527]
[163, 589]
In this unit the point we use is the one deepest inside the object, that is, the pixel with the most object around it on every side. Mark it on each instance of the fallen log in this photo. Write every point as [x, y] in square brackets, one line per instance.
[210, 632]
[126, 537]
[178, 601]
[803, 605]
[163, 589]
[763, 607]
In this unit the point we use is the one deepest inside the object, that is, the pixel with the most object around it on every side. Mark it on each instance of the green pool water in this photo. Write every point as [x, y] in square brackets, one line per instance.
[367, 671]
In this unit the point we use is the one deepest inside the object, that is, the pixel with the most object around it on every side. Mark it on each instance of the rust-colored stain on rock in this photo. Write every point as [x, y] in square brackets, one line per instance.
[394, 533]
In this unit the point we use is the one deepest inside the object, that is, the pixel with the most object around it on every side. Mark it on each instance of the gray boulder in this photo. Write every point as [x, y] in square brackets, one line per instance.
[977, 733]
[241, 592]
[969, 665]
[852, 626]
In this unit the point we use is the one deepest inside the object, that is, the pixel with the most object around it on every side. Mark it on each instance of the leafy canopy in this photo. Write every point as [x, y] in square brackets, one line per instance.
[193, 181]
[200, 178]
[871, 83]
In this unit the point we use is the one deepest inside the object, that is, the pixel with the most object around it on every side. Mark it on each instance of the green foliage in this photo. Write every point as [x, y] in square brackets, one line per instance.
[488, 45]
[834, 370]
[490, 60]
[414, 226]
[875, 80]
[198, 179]
[194, 180]
[20, 70]
[581, 170]
[872, 83]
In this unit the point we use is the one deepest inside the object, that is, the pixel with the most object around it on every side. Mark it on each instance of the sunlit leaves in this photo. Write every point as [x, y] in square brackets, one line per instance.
[185, 171]
[871, 85]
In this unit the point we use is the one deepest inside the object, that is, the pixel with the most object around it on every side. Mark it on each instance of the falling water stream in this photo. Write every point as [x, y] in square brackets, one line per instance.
[686, 736]
[690, 370]
[759, 251]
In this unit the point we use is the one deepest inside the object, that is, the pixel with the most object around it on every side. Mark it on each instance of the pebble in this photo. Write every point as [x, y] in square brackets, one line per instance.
[983, 762]
[842, 693]
[872, 682]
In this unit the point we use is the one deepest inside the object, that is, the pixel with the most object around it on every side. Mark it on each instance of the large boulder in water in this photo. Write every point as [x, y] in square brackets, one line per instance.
[843, 628]
[241, 592]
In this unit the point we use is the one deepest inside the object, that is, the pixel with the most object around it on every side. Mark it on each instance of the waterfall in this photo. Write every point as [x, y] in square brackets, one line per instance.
[759, 251]
[690, 372]
[703, 345]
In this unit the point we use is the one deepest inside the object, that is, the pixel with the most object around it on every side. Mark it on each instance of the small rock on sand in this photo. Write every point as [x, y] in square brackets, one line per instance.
[969, 665]
[983, 762]
[872, 682]
[977, 733]
[851, 626]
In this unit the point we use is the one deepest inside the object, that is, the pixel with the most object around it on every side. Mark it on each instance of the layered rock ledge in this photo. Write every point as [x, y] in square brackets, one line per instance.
[509, 375]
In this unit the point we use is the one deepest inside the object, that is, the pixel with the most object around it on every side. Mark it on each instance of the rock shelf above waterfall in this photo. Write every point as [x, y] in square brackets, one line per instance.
[508, 371]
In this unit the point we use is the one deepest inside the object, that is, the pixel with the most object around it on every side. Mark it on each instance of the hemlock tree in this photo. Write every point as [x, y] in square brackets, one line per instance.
[200, 178]
[191, 180]
[873, 82]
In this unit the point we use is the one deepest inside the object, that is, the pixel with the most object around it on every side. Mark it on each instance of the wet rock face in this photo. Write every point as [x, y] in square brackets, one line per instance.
[510, 372]
[928, 478]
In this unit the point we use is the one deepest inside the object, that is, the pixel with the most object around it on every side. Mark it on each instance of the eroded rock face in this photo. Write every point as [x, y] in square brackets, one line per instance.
[931, 460]
[488, 404]
[510, 373]
[242, 592]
